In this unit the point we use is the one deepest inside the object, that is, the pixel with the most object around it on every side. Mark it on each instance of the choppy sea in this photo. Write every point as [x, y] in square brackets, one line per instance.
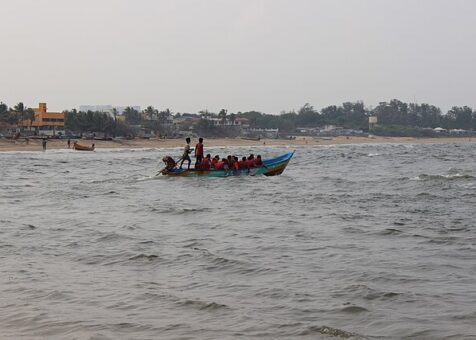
[351, 241]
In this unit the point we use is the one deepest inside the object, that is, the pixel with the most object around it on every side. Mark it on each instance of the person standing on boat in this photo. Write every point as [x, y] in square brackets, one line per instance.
[186, 153]
[199, 153]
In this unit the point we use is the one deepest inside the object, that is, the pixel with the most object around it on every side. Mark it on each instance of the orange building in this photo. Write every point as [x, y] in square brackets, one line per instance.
[46, 121]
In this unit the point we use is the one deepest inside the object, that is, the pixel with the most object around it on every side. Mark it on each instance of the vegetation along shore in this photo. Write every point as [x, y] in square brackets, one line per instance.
[35, 144]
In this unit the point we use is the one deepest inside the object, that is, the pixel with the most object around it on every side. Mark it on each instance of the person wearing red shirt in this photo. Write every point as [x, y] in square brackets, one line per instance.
[251, 161]
[199, 152]
[215, 161]
[206, 163]
[219, 165]
[243, 163]
[236, 164]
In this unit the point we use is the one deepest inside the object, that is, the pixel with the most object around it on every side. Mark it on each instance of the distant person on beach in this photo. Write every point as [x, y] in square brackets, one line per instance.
[44, 144]
[199, 153]
[186, 153]
[69, 144]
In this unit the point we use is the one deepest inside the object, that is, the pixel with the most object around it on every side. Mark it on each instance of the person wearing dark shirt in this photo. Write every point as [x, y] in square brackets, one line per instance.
[258, 161]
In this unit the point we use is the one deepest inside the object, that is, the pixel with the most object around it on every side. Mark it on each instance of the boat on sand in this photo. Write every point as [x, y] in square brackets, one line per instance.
[80, 147]
[271, 167]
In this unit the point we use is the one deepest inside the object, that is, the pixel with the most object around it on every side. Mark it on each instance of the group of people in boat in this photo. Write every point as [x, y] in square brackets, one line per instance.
[202, 162]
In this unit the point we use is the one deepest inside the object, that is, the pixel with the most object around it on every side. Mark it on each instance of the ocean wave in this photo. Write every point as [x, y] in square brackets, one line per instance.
[202, 305]
[447, 177]
[329, 331]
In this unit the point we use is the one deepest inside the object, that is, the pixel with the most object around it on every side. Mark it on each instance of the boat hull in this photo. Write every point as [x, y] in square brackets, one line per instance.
[82, 147]
[273, 167]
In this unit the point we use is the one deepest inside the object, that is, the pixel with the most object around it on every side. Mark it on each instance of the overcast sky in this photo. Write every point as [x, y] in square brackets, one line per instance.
[266, 55]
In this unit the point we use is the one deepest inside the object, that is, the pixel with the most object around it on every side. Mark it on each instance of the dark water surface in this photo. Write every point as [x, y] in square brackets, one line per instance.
[352, 241]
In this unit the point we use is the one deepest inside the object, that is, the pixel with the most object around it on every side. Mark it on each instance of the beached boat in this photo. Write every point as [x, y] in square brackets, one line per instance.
[272, 167]
[80, 147]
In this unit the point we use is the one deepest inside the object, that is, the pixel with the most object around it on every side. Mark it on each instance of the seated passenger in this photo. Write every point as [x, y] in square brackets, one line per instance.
[236, 164]
[226, 166]
[219, 165]
[215, 160]
[258, 161]
[251, 161]
[169, 162]
[206, 163]
[243, 163]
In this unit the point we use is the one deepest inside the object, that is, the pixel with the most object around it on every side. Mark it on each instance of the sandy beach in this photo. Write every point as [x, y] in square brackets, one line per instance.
[35, 144]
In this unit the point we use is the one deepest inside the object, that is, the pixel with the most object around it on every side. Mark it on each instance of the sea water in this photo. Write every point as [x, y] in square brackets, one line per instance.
[351, 241]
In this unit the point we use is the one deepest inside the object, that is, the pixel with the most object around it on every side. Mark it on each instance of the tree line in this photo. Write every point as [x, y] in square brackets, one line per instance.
[394, 117]
[354, 115]
[13, 115]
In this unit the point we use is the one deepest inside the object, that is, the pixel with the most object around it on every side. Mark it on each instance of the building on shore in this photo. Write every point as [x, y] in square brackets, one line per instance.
[45, 122]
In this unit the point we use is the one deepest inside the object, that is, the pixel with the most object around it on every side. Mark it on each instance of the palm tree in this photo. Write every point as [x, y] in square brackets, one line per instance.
[232, 117]
[114, 113]
[20, 110]
[132, 116]
[3, 112]
[150, 112]
[222, 115]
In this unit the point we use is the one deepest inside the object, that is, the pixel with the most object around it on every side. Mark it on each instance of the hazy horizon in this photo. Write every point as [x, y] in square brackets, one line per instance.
[264, 55]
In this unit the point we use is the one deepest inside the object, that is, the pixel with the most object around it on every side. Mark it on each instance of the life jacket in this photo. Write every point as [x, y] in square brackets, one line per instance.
[236, 165]
[243, 164]
[251, 163]
[205, 164]
[258, 162]
[214, 163]
[199, 149]
[219, 165]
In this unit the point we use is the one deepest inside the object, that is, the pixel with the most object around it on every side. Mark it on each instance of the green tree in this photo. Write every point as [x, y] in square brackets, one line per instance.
[222, 115]
[20, 110]
[132, 116]
[150, 112]
[459, 118]
[3, 112]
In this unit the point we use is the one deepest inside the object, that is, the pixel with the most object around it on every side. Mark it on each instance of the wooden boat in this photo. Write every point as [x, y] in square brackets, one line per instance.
[251, 138]
[80, 147]
[272, 167]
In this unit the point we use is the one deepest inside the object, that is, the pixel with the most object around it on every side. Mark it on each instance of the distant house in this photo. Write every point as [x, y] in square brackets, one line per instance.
[263, 133]
[45, 122]
[227, 122]
[7, 129]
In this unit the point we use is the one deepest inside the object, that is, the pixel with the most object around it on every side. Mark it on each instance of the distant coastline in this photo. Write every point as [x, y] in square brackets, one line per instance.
[35, 145]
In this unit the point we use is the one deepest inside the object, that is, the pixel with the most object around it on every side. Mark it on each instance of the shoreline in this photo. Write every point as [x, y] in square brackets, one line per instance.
[55, 144]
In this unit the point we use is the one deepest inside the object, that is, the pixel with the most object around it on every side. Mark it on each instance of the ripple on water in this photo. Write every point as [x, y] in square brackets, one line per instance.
[371, 240]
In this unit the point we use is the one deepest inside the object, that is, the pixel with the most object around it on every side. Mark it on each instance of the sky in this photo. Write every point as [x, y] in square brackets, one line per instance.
[240, 55]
